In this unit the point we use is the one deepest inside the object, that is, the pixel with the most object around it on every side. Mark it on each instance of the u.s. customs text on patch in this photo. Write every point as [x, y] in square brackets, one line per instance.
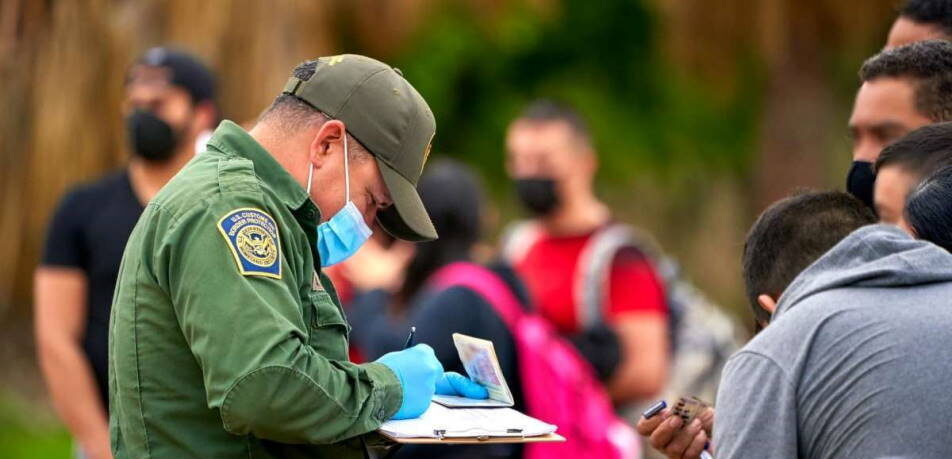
[253, 238]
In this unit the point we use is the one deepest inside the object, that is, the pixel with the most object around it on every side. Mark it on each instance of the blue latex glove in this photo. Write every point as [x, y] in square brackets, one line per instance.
[418, 370]
[453, 383]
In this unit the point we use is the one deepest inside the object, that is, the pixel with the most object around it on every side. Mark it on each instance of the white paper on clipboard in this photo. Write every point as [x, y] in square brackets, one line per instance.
[441, 422]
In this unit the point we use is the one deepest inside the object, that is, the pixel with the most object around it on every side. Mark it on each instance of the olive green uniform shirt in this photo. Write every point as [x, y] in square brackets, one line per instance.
[224, 340]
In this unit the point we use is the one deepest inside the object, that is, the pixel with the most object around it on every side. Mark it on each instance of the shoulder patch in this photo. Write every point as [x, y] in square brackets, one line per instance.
[253, 238]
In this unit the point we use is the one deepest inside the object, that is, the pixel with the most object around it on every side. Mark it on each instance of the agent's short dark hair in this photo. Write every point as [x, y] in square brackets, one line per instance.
[292, 113]
[929, 209]
[793, 233]
[548, 110]
[928, 65]
[920, 152]
[935, 12]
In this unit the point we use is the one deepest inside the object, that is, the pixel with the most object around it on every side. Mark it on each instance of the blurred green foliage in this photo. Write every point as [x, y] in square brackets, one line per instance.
[26, 431]
[600, 57]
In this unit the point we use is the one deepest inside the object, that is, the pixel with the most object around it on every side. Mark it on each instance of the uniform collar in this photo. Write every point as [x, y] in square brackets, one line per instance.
[231, 138]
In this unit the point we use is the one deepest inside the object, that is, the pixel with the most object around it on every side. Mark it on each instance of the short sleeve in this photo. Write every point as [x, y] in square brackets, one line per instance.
[64, 241]
[634, 286]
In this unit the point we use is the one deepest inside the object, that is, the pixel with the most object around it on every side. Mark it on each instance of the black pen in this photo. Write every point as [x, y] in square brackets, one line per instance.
[410, 338]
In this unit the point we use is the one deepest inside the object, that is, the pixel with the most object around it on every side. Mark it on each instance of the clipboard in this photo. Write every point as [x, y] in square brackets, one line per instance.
[442, 425]
[548, 438]
[467, 421]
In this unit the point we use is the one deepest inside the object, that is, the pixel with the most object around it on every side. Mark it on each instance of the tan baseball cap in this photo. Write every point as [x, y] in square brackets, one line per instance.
[388, 116]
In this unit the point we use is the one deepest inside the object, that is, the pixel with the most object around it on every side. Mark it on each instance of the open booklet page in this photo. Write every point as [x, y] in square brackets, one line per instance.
[479, 359]
[441, 422]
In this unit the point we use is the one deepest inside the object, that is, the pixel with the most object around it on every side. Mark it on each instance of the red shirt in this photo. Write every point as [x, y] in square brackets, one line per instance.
[549, 269]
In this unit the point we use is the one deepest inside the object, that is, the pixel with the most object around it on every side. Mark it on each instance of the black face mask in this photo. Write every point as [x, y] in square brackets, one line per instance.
[860, 181]
[537, 194]
[151, 137]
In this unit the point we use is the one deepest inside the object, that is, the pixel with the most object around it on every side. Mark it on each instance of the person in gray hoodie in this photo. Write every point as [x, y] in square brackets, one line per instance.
[852, 363]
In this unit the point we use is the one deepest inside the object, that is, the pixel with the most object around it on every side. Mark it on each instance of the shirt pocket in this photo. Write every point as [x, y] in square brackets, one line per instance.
[328, 329]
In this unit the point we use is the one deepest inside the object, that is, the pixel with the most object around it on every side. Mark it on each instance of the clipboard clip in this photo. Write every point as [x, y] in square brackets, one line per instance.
[441, 434]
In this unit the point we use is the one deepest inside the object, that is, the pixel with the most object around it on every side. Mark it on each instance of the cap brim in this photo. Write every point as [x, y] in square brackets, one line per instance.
[407, 218]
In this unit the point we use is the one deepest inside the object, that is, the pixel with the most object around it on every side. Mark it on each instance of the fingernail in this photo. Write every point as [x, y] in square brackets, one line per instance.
[695, 425]
[674, 421]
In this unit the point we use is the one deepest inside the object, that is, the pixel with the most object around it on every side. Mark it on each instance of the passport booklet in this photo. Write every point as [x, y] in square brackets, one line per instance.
[479, 360]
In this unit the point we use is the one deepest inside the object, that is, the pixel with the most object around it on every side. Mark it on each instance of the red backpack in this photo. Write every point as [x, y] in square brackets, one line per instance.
[559, 386]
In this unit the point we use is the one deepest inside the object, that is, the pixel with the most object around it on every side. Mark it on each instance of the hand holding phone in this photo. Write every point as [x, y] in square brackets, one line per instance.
[683, 431]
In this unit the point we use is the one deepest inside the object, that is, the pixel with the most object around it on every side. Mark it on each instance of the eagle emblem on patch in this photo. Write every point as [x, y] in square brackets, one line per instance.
[252, 236]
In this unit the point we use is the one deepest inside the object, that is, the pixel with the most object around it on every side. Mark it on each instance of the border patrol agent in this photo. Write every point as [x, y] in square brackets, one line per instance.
[225, 339]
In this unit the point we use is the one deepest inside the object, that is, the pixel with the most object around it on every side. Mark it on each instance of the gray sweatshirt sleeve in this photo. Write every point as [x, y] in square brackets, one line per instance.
[756, 413]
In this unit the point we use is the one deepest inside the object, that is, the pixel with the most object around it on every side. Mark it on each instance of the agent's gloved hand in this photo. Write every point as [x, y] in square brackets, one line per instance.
[418, 370]
[453, 383]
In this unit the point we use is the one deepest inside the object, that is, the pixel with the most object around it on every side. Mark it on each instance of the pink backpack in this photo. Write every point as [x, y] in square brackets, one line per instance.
[559, 386]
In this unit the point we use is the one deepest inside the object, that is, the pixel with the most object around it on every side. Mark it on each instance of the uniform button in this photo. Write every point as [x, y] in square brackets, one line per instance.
[380, 413]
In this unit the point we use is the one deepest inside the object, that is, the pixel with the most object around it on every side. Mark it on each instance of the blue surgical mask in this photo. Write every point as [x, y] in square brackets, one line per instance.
[342, 235]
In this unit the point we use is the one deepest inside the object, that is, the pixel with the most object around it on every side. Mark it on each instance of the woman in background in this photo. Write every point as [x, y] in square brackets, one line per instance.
[385, 306]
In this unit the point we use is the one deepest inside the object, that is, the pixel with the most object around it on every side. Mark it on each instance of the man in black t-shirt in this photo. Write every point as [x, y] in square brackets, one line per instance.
[169, 109]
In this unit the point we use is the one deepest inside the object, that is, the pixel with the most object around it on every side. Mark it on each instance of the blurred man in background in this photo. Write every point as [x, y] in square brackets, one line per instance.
[921, 20]
[553, 162]
[169, 104]
[903, 88]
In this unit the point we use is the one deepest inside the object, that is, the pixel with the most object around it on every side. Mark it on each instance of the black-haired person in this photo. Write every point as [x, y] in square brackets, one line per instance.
[905, 162]
[929, 209]
[902, 89]
[169, 105]
[921, 20]
[853, 312]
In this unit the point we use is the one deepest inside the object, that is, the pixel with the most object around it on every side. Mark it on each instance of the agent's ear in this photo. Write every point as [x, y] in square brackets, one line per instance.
[767, 303]
[323, 143]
